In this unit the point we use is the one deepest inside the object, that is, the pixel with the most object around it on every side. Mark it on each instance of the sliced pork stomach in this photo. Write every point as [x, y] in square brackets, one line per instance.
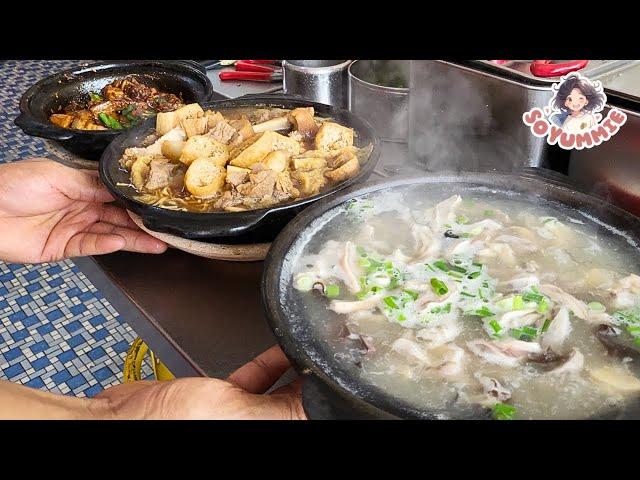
[574, 364]
[518, 319]
[493, 390]
[443, 213]
[342, 306]
[447, 360]
[556, 294]
[558, 331]
[349, 270]
[440, 334]
[427, 244]
[626, 291]
[411, 351]
[507, 353]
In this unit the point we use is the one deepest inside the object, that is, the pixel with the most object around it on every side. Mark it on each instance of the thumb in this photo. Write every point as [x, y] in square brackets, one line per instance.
[84, 244]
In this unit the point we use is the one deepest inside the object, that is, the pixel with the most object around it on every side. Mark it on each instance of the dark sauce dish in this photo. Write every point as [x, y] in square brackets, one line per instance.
[184, 78]
[251, 226]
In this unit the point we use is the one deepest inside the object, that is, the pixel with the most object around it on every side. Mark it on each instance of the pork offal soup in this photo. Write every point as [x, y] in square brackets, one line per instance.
[489, 303]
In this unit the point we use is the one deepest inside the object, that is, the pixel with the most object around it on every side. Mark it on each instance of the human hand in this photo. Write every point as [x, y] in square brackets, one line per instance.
[49, 212]
[241, 397]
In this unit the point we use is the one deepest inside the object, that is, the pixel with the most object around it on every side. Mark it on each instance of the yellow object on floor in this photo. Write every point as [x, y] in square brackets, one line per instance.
[134, 359]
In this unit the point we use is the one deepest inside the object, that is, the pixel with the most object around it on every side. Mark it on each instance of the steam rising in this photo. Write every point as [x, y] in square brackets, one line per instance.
[452, 126]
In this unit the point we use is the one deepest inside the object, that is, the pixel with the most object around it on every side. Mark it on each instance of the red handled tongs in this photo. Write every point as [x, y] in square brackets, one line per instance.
[544, 68]
[253, 70]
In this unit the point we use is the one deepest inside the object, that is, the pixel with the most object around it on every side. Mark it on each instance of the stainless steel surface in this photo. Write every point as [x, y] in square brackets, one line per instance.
[595, 69]
[237, 89]
[385, 107]
[625, 81]
[462, 118]
[323, 81]
[612, 169]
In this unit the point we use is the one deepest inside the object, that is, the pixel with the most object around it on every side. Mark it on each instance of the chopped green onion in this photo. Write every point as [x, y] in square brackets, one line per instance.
[429, 267]
[476, 231]
[634, 330]
[637, 341]
[524, 333]
[439, 286]
[304, 283]
[488, 213]
[495, 326]
[473, 275]
[95, 97]
[361, 251]
[476, 264]
[483, 312]
[332, 291]
[453, 274]
[364, 263]
[545, 326]
[532, 297]
[518, 303]
[467, 294]
[413, 294]
[462, 219]
[391, 302]
[441, 265]
[502, 411]
[402, 317]
[458, 269]
[444, 309]
[596, 306]
[543, 306]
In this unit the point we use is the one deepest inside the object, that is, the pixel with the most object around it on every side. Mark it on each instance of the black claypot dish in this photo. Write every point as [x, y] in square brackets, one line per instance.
[331, 388]
[251, 226]
[184, 78]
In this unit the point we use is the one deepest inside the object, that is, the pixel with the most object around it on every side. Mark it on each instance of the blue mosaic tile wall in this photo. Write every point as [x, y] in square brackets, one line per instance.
[57, 332]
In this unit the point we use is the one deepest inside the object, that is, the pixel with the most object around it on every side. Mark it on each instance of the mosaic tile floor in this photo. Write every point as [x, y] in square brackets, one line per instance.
[57, 332]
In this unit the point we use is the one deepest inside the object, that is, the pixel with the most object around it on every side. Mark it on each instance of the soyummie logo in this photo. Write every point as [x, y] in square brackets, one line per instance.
[572, 118]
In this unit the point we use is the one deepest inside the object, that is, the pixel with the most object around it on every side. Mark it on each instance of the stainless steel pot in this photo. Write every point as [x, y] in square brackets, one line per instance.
[322, 81]
[379, 93]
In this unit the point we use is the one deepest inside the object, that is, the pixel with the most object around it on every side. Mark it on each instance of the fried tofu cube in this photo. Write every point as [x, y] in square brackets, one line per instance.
[194, 126]
[193, 110]
[172, 149]
[204, 178]
[332, 136]
[348, 166]
[61, 119]
[166, 121]
[306, 164]
[266, 143]
[309, 183]
[203, 146]
[278, 160]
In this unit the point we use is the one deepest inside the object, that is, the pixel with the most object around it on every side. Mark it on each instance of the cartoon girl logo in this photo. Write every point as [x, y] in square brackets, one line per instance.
[576, 102]
[572, 119]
